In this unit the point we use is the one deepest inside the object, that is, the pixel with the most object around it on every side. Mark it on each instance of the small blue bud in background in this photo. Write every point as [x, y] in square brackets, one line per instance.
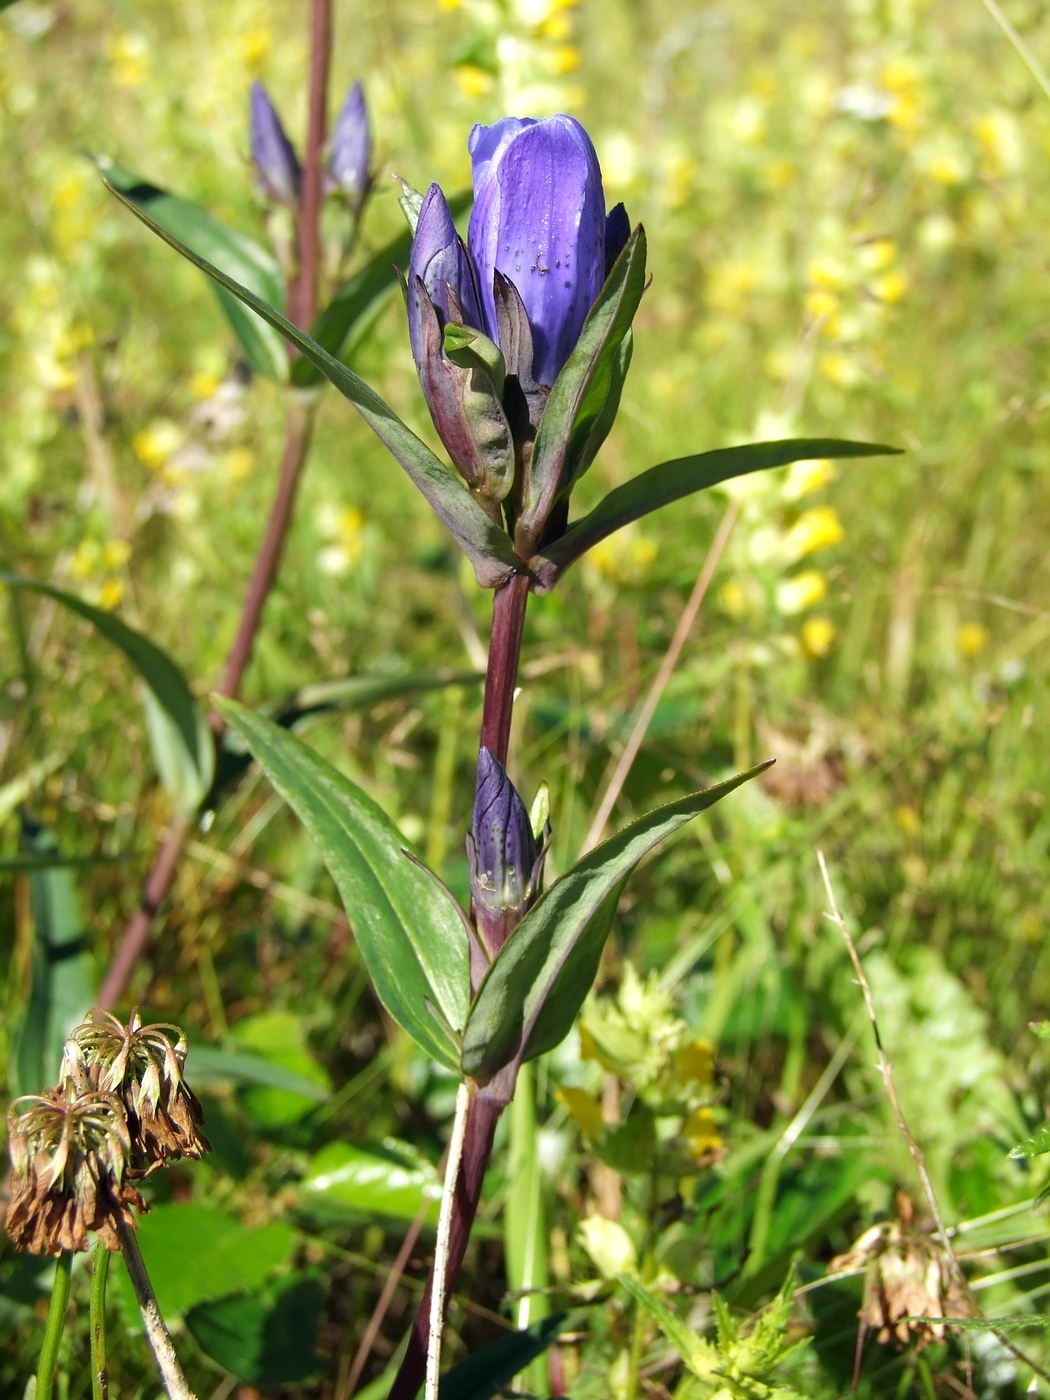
[351, 150]
[274, 155]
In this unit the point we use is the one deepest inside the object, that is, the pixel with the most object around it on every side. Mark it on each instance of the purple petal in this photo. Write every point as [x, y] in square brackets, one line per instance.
[352, 146]
[441, 262]
[273, 154]
[539, 218]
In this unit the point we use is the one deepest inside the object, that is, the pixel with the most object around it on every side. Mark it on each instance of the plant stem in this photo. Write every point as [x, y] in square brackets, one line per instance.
[99, 1366]
[508, 625]
[156, 1333]
[56, 1325]
[302, 409]
[441, 1247]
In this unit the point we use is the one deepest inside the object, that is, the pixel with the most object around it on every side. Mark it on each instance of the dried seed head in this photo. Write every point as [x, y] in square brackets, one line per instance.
[69, 1153]
[143, 1066]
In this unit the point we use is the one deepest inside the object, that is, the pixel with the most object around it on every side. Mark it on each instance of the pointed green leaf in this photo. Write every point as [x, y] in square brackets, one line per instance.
[183, 722]
[484, 543]
[1033, 1146]
[238, 255]
[576, 418]
[407, 928]
[699, 1355]
[489, 1371]
[541, 975]
[670, 481]
[62, 987]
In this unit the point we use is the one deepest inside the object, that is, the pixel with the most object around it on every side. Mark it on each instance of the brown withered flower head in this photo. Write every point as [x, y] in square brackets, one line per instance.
[69, 1153]
[143, 1067]
[909, 1281]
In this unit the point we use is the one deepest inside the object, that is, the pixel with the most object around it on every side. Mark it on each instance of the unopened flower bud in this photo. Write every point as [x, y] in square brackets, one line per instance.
[505, 857]
[351, 149]
[276, 163]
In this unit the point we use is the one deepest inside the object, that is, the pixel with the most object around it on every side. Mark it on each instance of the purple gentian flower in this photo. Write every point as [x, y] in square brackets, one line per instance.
[352, 148]
[539, 220]
[274, 155]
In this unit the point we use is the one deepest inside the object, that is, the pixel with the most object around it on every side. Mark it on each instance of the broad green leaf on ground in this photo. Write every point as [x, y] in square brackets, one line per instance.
[408, 929]
[671, 481]
[534, 988]
[267, 1338]
[480, 538]
[489, 1371]
[348, 1182]
[575, 421]
[194, 1254]
[183, 721]
[210, 1065]
[280, 1037]
[239, 256]
[62, 986]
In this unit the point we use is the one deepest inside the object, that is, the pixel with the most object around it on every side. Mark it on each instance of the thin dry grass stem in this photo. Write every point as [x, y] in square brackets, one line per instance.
[886, 1070]
[1025, 54]
[663, 675]
[156, 1333]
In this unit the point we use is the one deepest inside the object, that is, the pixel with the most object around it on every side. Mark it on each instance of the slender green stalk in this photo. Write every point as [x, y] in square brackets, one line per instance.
[99, 1367]
[56, 1326]
[157, 1334]
[525, 1227]
[441, 1248]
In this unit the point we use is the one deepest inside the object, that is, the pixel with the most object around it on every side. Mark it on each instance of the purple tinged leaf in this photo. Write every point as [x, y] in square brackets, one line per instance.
[617, 232]
[539, 218]
[352, 148]
[276, 163]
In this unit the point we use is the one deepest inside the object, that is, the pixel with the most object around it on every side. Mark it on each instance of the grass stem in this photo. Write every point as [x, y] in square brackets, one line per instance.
[156, 1333]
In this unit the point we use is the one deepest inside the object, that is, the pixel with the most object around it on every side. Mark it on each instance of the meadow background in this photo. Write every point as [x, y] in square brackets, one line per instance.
[846, 207]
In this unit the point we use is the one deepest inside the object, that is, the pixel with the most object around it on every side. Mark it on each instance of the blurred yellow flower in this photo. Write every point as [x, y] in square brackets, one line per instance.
[110, 594]
[827, 273]
[972, 638]
[565, 58]
[908, 820]
[821, 304]
[999, 135]
[818, 636]
[609, 1246]
[129, 60]
[696, 1062]
[157, 444]
[556, 27]
[584, 1109]
[116, 553]
[840, 368]
[701, 1133]
[450, 4]
[203, 384]
[815, 529]
[257, 45]
[474, 81]
[877, 255]
[801, 591]
[811, 475]
[239, 462]
[891, 286]
[947, 167]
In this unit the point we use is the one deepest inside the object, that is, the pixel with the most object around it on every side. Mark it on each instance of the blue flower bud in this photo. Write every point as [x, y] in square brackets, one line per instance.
[441, 263]
[352, 148]
[539, 219]
[502, 850]
[274, 155]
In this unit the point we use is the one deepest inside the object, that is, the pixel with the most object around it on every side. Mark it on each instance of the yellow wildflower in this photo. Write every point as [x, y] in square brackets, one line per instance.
[566, 58]
[203, 384]
[908, 820]
[584, 1109]
[110, 594]
[116, 553]
[807, 476]
[239, 462]
[473, 81]
[257, 44]
[814, 529]
[156, 444]
[801, 591]
[696, 1061]
[701, 1133]
[877, 255]
[818, 636]
[129, 60]
[891, 286]
[972, 638]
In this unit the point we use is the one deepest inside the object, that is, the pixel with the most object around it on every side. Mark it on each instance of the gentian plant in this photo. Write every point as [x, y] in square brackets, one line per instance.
[522, 338]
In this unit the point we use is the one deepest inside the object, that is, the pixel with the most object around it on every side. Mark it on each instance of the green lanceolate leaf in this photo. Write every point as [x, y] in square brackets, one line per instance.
[176, 711]
[62, 988]
[1033, 1146]
[489, 1371]
[484, 543]
[575, 420]
[699, 1355]
[671, 481]
[409, 931]
[540, 977]
[238, 255]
